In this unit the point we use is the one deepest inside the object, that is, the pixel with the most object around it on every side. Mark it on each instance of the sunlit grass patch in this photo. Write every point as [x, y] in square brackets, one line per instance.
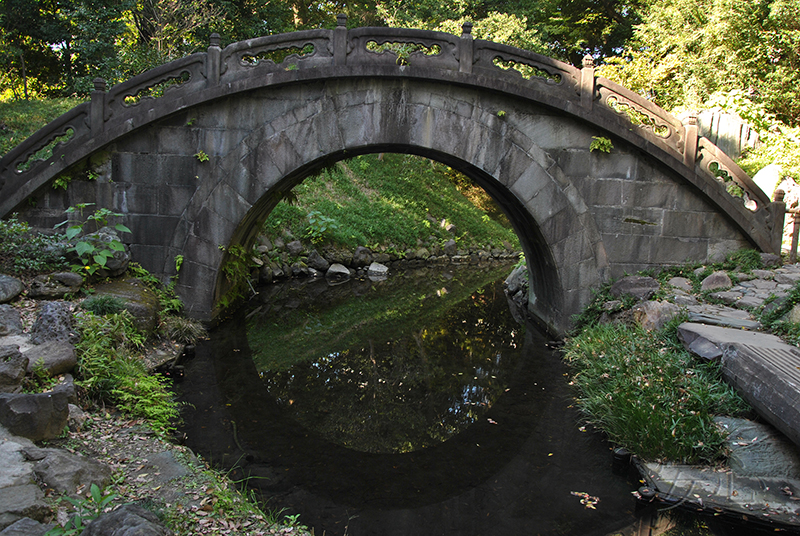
[649, 394]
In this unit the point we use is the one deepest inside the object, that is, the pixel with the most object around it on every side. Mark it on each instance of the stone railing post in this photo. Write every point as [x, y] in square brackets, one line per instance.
[690, 142]
[212, 61]
[777, 211]
[97, 106]
[340, 40]
[587, 83]
[466, 49]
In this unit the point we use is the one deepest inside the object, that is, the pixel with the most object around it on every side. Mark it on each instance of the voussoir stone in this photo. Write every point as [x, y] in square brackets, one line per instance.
[638, 286]
[54, 357]
[127, 520]
[54, 286]
[717, 280]
[10, 321]
[10, 288]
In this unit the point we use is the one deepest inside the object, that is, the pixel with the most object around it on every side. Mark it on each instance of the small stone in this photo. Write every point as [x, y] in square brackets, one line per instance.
[653, 315]
[337, 272]
[10, 288]
[717, 280]
[640, 287]
[54, 357]
[10, 321]
[681, 283]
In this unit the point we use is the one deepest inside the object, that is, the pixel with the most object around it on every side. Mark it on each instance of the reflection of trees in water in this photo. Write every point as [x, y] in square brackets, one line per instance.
[408, 389]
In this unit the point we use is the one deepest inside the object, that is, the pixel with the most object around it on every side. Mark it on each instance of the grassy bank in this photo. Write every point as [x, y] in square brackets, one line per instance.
[21, 118]
[392, 200]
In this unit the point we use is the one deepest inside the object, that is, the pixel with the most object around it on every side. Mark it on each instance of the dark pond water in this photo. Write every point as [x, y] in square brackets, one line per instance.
[414, 405]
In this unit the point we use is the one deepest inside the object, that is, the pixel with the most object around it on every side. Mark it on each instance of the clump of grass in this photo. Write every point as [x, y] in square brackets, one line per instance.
[650, 395]
[746, 260]
[110, 370]
[103, 304]
[183, 330]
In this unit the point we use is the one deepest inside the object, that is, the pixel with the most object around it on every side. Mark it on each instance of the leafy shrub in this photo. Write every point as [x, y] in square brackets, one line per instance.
[92, 258]
[103, 304]
[24, 252]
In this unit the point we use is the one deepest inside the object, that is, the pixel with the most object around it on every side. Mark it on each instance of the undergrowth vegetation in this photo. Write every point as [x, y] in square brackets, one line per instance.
[21, 118]
[25, 252]
[650, 395]
[387, 200]
[110, 369]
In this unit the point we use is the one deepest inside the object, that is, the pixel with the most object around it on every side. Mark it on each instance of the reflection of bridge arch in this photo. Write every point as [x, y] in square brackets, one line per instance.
[582, 217]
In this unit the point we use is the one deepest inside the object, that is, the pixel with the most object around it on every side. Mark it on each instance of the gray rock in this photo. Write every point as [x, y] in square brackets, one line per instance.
[317, 261]
[140, 301]
[717, 280]
[10, 321]
[55, 286]
[65, 472]
[377, 272]
[640, 287]
[18, 502]
[76, 418]
[55, 357]
[26, 527]
[762, 274]
[681, 283]
[653, 315]
[35, 416]
[729, 298]
[337, 272]
[770, 260]
[54, 322]
[164, 467]
[695, 336]
[787, 278]
[127, 520]
[421, 253]
[13, 366]
[450, 248]
[295, 248]
[10, 288]
[759, 450]
[362, 256]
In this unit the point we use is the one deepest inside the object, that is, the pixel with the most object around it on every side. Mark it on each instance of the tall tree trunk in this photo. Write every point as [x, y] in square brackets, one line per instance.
[24, 75]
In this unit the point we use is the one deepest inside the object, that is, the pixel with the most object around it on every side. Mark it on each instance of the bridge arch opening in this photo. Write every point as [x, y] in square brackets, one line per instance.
[546, 289]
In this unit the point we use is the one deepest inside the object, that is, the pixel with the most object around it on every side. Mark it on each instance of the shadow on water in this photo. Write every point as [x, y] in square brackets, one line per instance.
[272, 397]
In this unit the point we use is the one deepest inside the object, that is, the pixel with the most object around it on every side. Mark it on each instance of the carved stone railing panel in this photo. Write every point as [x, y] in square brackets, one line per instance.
[48, 143]
[653, 122]
[185, 74]
[712, 161]
[418, 48]
[297, 50]
[494, 59]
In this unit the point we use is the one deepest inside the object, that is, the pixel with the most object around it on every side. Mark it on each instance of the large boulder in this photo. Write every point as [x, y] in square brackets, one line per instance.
[127, 520]
[653, 315]
[10, 321]
[317, 261]
[54, 322]
[55, 286]
[26, 527]
[140, 301]
[716, 281]
[64, 472]
[38, 416]
[18, 502]
[13, 366]
[10, 288]
[362, 257]
[337, 272]
[54, 357]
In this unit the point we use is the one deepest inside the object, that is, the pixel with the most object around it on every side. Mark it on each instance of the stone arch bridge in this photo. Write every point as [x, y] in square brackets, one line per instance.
[195, 154]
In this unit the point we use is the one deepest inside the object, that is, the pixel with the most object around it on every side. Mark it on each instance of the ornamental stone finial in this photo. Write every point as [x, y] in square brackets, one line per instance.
[466, 29]
[214, 40]
[779, 195]
[341, 20]
[588, 61]
[99, 84]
